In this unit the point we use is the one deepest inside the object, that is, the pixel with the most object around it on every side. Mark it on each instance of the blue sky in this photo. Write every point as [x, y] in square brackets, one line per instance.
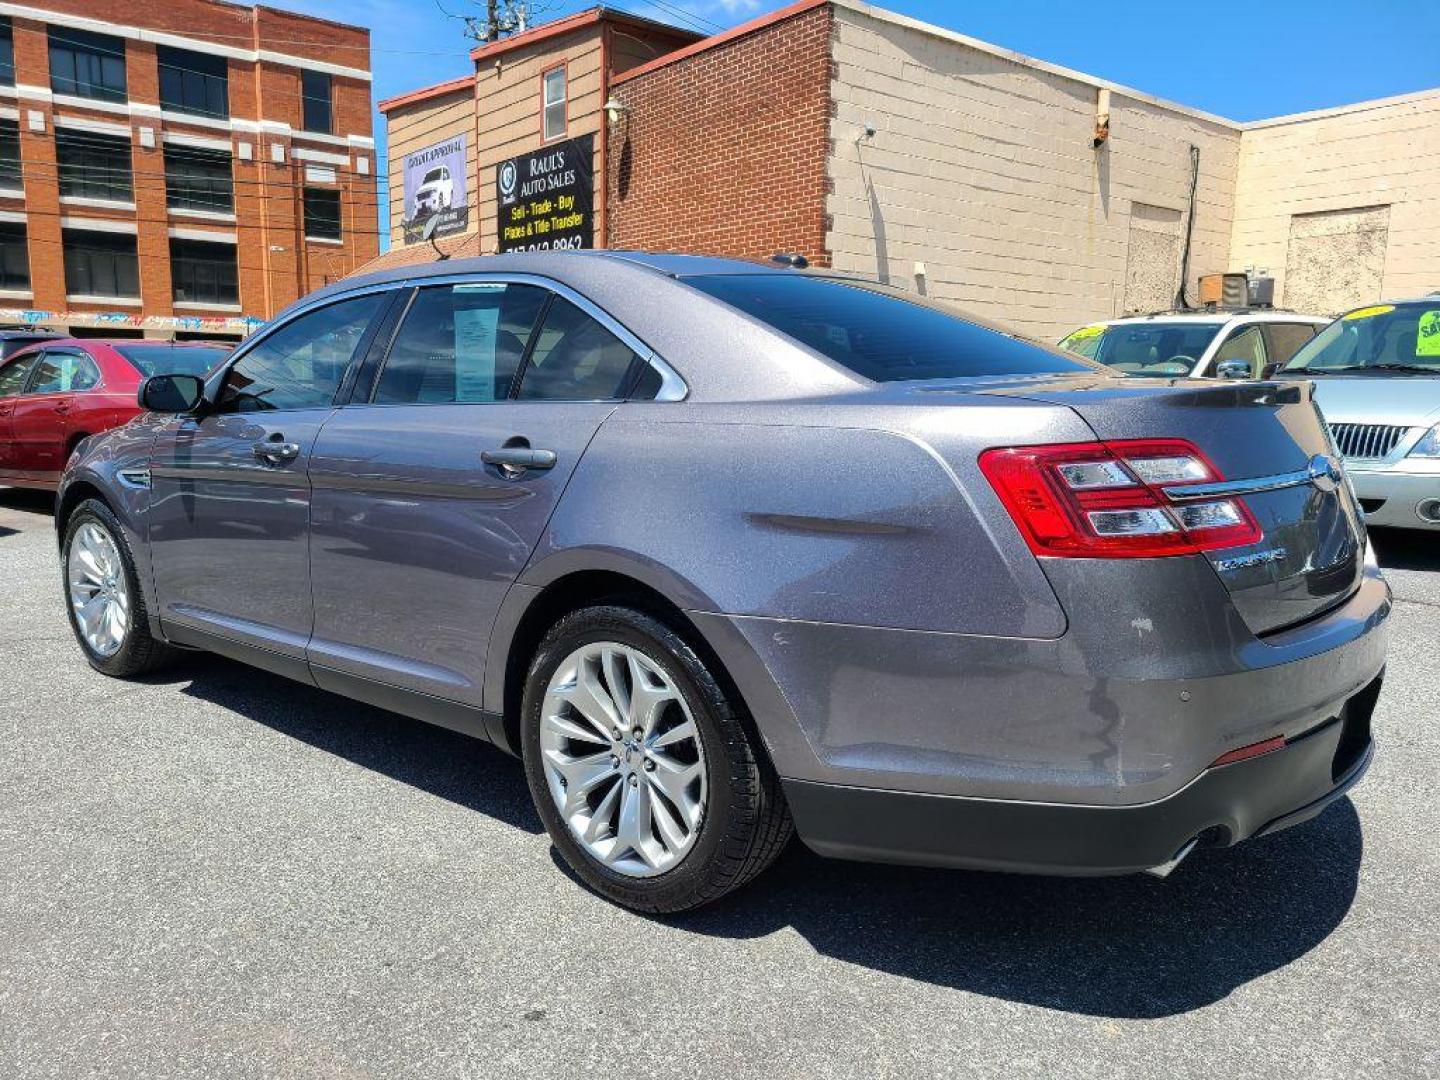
[1272, 57]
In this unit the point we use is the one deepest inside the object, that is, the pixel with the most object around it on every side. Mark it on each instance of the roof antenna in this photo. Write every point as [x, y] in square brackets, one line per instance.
[791, 259]
[428, 232]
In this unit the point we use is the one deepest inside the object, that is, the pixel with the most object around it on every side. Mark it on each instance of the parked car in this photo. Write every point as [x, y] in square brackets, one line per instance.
[1226, 343]
[1377, 379]
[55, 394]
[723, 550]
[13, 338]
[436, 192]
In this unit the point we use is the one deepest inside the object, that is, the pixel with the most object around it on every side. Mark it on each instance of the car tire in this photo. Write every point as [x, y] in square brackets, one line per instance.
[137, 651]
[743, 822]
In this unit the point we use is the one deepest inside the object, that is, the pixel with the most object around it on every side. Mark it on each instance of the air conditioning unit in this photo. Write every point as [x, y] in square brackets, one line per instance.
[1224, 290]
[1262, 292]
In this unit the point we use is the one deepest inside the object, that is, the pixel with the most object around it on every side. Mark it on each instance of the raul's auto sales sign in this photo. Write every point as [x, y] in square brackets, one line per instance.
[435, 188]
[544, 198]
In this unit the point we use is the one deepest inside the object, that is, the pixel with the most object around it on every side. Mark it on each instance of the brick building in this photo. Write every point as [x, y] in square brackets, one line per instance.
[183, 168]
[1031, 193]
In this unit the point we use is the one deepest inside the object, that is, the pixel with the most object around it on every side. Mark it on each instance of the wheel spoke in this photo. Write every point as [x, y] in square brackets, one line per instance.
[603, 819]
[679, 733]
[612, 663]
[674, 778]
[115, 624]
[672, 832]
[590, 700]
[581, 732]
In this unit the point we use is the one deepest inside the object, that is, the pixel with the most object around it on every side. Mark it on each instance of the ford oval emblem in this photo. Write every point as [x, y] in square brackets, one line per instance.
[1325, 472]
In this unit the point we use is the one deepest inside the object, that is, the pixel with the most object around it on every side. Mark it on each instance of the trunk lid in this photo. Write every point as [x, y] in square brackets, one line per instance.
[1311, 555]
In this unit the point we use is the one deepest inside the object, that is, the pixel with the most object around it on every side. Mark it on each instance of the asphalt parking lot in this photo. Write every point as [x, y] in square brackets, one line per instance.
[218, 872]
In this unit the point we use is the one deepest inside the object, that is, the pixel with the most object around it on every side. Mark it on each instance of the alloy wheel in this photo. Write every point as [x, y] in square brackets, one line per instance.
[622, 758]
[99, 592]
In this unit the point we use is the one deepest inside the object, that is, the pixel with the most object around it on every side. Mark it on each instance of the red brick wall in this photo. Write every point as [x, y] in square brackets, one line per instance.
[723, 151]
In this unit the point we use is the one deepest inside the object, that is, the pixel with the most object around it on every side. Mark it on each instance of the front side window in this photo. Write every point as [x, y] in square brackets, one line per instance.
[12, 376]
[554, 105]
[14, 256]
[92, 165]
[86, 64]
[322, 214]
[101, 264]
[11, 176]
[315, 101]
[61, 373]
[300, 365]
[1283, 340]
[193, 82]
[882, 334]
[198, 179]
[1244, 345]
[1383, 340]
[574, 358]
[460, 343]
[202, 272]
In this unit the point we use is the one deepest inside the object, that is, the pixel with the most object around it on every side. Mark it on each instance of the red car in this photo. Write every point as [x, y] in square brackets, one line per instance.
[55, 393]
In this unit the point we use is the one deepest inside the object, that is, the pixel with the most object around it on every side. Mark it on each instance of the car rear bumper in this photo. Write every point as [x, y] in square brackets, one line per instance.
[1223, 805]
[1398, 495]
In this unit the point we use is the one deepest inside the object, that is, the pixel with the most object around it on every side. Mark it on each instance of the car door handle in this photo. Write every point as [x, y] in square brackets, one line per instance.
[519, 457]
[277, 453]
[61, 407]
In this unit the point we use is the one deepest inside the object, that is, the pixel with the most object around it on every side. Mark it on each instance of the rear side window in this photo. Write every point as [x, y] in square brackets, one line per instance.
[576, 359]
[169, 360]
[460, 343]
[61, 373]
[882, 334]
[301, 364]
[12, 376]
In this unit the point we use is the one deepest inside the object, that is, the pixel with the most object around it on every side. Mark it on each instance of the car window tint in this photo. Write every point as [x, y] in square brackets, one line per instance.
[460, 343]
[1285, 339]
[1379, 336]
[575, 359]
[882, 334]
[164, 359]
[1156, 349]
[12, 376]
[60, 373]
[301, 364]
[1242, 345]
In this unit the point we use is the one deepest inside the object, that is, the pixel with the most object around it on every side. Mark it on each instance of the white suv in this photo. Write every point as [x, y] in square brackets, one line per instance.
[1223, 343]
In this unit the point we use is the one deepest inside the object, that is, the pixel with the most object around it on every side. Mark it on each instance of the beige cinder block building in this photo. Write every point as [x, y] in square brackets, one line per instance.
[875, 143]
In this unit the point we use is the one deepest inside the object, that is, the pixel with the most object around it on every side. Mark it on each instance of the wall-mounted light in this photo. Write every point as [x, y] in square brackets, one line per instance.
[615, 108]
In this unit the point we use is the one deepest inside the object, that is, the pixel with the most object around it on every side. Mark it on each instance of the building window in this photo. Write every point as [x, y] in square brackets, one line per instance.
[93, 166]
[10, 173]
[322, 214]
[193, 82]
[101, 264]
[204, 273]
[315, 94]
[554, 111]
[7, 53]
[14, 256]
[86, 64]
[197, 179]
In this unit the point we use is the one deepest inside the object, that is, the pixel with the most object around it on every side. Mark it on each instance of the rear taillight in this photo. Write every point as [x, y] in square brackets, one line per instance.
[1104, 499]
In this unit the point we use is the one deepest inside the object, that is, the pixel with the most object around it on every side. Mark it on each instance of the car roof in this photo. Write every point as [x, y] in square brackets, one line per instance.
[1216, 317]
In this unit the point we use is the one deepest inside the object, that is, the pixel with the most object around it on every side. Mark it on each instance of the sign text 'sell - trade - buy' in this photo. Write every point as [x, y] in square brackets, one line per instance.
[544, 198]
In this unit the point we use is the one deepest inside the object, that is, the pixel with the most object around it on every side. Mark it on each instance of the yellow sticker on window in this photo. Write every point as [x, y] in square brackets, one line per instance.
[1427, 334]
[1370, 312]
[1086, 332]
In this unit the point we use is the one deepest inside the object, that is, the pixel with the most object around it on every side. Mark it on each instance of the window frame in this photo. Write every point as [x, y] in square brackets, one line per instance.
[65, 250]
[5, 250]
[94, 145]
[179, 155]
[1236, 332]
[1271, 343]
[672, 386]
[339, 236]
[564, 68]
[7, 51]
[306, 98]
[164, 51]
[15, 165]
[49, 351]
[191, 258]
[16, 361]
[87, 44]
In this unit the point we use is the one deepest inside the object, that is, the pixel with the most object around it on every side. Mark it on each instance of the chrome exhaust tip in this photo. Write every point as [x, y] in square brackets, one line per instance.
[1165, 868]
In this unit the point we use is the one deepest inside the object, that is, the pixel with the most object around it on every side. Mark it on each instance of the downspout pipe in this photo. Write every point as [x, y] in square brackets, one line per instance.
[1181, 300]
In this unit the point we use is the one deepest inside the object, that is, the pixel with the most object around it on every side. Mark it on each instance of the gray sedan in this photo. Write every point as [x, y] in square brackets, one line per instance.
[726, 551]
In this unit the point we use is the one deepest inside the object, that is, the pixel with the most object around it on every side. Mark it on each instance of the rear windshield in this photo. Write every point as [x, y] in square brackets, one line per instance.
[168, 360]
[879, 333]
[1159, 349]
[1381, 340]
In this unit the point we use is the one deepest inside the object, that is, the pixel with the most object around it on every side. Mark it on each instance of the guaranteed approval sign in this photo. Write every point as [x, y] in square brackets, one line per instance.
[544, 198]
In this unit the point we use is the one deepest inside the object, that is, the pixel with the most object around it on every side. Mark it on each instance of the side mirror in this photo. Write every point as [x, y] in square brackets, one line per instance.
[1232, 369]
[172, 393]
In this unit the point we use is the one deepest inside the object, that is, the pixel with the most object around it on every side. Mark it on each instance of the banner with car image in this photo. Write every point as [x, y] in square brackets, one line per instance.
[435, 188]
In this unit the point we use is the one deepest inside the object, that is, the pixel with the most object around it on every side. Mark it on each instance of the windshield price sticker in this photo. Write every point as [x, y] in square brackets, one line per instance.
[1427, 334]
[1370, 312]
[1086, 332]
